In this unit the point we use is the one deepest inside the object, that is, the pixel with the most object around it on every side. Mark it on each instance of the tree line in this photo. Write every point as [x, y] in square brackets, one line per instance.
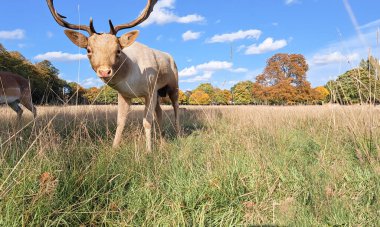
[282, 82]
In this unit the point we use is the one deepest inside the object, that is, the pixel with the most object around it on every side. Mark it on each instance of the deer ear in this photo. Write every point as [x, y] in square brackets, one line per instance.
[127, 39]
[77, 38]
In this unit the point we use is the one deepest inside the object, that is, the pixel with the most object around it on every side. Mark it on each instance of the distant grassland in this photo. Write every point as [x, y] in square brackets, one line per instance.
[238, 165]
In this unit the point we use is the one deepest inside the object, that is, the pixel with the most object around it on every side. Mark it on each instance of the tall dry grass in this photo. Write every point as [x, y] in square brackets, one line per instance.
[236, 165]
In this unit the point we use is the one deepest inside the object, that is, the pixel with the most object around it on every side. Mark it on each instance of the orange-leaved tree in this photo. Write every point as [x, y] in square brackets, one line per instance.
[283, 80]
[199, 97]
[182, 98]
[92, 95]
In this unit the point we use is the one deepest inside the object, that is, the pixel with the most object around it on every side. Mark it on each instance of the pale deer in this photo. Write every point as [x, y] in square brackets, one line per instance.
[131, 68]
[15, 89]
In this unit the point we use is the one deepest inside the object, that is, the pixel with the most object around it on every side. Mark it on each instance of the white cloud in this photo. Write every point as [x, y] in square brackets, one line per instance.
[267, 46]
[215, 66]
[204, 72]
[163, 14]
[92, 82]
[60, 56]
[190, 35]
[327, 63]
[205, 77]
[15, 34]
[335, 57]
[191, 71]
[230, 37]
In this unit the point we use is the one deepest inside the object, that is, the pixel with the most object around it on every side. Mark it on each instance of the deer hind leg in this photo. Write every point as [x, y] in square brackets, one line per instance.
[159, 116]
[15, 106]
[31, 108]
[26, 100]
[174, 99]
[122, 112]
[150, 105]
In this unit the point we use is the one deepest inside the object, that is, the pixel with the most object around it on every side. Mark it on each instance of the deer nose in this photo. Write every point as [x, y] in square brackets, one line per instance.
[104, 72]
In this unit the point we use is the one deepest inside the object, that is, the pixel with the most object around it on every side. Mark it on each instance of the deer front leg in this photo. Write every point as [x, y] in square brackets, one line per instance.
[123, 105]
[150, 104]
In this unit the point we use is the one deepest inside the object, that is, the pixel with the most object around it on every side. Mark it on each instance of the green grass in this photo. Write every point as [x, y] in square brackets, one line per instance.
[233, 166]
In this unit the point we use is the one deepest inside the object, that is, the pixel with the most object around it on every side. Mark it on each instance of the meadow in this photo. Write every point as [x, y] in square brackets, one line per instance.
[235, 165]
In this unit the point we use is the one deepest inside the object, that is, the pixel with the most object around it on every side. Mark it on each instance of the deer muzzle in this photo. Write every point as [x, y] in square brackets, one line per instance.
[104, 72]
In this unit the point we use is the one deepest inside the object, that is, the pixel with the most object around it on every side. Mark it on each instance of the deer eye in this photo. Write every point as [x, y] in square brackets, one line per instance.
[89, 51]
[118, 52]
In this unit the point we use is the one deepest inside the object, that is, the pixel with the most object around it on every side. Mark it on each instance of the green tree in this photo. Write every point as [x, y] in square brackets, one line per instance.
[355, 86]
[108, 95]
[371, 65]
[242, 93]
[207, 88]
[54, 88]
[75, 94]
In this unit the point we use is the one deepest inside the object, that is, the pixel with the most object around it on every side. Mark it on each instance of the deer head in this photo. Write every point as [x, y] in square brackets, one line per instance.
[104, 50]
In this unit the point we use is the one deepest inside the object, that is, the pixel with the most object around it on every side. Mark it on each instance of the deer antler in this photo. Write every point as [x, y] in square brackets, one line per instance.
[143, 16]
[60, 20]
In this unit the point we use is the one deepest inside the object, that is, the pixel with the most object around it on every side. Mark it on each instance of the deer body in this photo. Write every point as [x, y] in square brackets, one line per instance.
[14, 89]
[131, 68]
[144, 70]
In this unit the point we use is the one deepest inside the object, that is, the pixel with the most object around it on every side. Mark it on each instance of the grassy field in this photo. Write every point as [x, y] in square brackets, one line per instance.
[304, 165]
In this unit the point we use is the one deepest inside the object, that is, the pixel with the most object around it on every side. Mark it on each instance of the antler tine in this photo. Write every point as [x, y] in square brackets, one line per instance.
[143, 16]
[60, 20]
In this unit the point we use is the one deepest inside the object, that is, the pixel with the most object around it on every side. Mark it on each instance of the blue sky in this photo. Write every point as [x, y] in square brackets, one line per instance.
[221, 42]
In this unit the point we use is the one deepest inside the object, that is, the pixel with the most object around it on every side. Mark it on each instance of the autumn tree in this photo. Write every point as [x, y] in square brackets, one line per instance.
[222, 97]
[199, 97]
[242, 93]
[182, 98]
[322, 94]
[92, 94]
[283, 80]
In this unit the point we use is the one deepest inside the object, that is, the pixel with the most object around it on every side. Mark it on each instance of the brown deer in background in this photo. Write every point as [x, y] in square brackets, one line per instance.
[15, 89]
[131, 68]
